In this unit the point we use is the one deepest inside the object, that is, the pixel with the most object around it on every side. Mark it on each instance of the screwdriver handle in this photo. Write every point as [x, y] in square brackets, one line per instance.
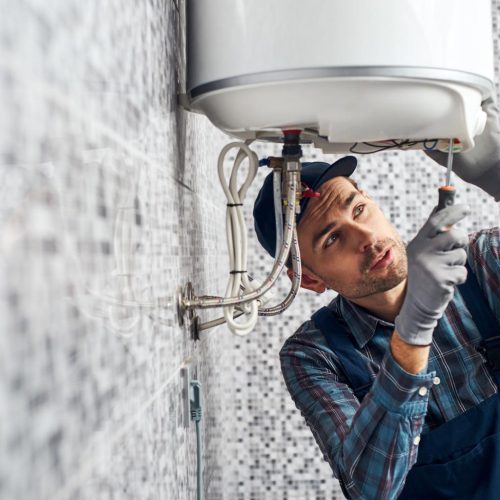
[446, 197]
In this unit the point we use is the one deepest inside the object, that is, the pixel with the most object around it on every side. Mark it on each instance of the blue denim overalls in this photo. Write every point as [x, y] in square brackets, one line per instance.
[460, 459]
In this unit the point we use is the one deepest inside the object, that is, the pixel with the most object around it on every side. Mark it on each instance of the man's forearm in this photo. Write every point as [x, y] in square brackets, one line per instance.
[412, 358]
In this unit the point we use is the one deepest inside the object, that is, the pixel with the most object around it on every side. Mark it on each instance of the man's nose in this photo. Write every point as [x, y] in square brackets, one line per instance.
[364, 237]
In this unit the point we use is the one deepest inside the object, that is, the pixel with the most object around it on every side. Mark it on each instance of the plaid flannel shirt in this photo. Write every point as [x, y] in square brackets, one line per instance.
[372, 445]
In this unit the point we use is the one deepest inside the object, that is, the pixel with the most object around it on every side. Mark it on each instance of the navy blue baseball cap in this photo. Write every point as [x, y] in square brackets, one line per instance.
[313, 174]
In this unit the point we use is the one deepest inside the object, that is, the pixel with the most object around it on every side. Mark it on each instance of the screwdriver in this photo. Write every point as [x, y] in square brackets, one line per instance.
[447, 192]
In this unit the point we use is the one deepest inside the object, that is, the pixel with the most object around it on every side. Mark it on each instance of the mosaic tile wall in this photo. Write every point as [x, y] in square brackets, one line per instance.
[109, 201]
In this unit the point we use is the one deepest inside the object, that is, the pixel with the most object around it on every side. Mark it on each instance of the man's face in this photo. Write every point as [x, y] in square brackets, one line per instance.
[342, 234]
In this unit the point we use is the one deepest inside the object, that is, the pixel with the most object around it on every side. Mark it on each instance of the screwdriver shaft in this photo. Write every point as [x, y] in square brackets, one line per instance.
[449, 163]
[447, 192]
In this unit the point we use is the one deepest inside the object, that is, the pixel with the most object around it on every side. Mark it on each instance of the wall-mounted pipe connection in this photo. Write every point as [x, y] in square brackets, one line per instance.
[244, 295]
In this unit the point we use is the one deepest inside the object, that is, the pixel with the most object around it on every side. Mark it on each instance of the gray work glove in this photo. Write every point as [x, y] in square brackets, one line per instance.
[436, 260]
[481, 165]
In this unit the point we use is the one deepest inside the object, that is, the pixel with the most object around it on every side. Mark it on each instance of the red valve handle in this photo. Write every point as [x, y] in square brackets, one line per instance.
[309, 193]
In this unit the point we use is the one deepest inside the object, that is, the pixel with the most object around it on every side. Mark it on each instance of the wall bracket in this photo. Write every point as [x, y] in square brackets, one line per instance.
[184, 294]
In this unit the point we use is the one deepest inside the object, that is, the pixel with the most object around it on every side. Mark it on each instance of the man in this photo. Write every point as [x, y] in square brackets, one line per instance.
[391, 377]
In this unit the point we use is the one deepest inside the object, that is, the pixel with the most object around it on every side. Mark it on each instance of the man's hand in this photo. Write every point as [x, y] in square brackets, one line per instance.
[481, 165]
[436, 260]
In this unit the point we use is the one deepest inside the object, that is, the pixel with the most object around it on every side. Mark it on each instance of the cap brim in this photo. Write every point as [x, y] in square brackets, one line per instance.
[343, 167]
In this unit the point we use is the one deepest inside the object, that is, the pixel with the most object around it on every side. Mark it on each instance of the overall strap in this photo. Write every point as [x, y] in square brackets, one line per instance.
[485, 321]
[342, 344]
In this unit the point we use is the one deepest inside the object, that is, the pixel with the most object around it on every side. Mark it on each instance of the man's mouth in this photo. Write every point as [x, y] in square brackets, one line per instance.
[383, 259]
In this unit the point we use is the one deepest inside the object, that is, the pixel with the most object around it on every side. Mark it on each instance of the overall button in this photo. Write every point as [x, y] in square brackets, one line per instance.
[436, 381]
[416, 440]
[422, 391]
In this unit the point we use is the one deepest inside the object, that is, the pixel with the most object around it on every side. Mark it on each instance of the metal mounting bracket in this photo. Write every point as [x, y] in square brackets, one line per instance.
[182, 310]
[187, 313]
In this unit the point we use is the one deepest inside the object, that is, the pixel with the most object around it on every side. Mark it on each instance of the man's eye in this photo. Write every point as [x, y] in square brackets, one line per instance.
[331, 239]
[359, 209]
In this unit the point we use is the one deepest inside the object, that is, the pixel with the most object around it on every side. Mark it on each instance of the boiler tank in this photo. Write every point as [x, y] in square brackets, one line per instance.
[345, 72]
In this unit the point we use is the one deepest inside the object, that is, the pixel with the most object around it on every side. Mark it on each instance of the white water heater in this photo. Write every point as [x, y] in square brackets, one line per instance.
[350, 73]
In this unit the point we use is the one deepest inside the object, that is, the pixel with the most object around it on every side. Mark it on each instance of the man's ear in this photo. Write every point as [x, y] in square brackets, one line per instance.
[309, 282]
